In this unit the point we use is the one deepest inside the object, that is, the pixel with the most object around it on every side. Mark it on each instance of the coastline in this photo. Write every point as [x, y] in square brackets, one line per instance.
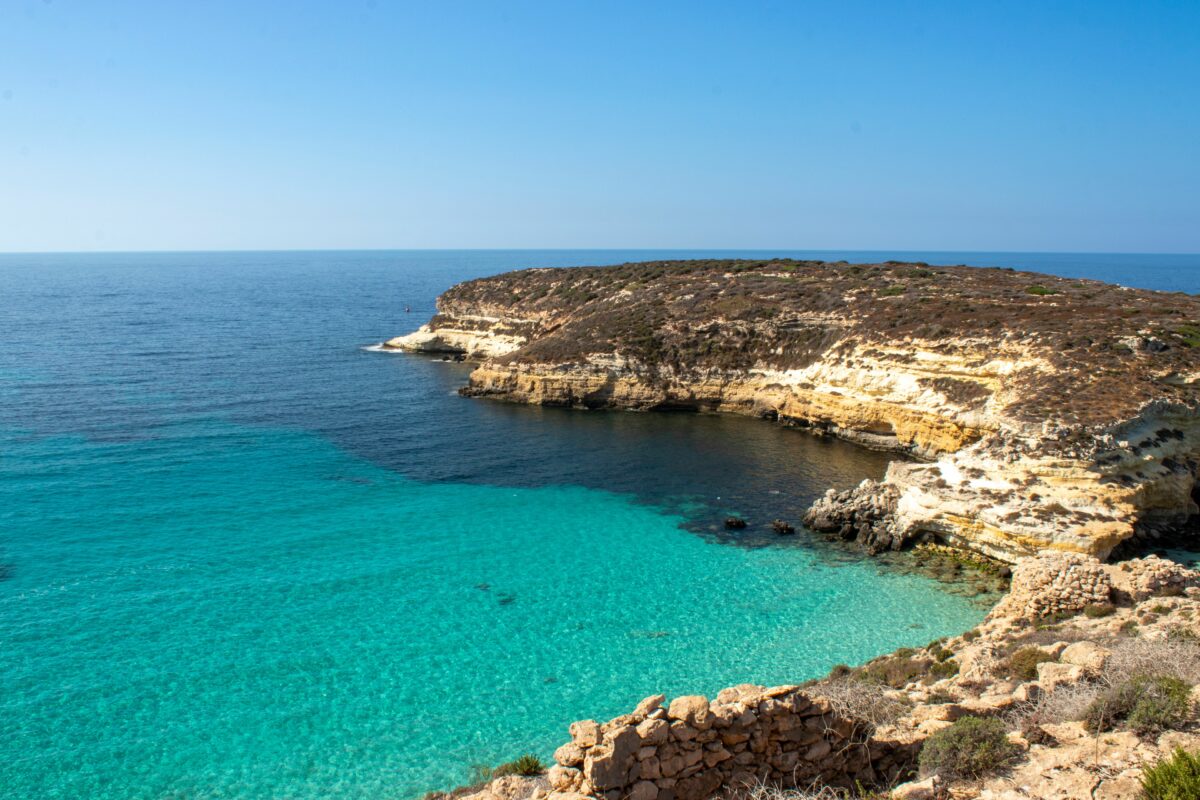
[1069, 628]
[622, 759]
[1045, 421]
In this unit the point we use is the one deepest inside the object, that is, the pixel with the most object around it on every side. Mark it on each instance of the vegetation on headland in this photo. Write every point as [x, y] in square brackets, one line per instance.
[784, 314]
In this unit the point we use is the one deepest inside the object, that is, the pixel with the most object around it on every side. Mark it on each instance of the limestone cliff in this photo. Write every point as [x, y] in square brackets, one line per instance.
[1052, 413]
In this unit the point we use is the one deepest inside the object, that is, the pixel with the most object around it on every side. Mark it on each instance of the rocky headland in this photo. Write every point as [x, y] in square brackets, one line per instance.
[1040, 412]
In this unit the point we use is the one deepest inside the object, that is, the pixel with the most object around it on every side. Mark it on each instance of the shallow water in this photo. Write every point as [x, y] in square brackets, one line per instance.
[240, 557]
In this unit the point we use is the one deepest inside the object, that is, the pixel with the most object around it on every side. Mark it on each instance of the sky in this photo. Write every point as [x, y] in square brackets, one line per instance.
[1036, 126]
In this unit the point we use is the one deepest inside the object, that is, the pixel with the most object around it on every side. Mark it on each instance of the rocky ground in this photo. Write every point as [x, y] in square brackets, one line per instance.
[1071, 635]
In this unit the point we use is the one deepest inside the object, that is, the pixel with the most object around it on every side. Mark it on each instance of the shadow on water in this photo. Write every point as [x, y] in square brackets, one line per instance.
[699, 467]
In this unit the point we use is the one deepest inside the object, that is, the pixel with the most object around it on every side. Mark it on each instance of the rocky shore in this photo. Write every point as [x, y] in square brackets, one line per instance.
[1045, 675]
[1050, 413]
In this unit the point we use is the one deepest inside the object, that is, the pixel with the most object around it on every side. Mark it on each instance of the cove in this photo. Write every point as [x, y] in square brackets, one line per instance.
[227, 611]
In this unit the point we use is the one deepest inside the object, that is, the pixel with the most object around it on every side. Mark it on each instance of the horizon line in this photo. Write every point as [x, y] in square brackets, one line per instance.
[587, 249]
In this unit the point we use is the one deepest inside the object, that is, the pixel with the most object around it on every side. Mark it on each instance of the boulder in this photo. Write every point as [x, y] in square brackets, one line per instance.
[569, 755]
[1092, 657]
[564, 779]
[653, 731]
[691, 710]
[649, 705]
[643, 790]
[607, 765]
[585, 733]
[928, 789]
[1051, 675]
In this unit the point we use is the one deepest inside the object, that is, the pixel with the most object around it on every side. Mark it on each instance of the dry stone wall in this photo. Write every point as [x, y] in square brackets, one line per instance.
[689, 749]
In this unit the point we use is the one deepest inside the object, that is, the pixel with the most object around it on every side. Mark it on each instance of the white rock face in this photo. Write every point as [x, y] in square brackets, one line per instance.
[473, 343]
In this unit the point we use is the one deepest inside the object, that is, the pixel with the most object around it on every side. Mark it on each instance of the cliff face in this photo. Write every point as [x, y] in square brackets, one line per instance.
[1055, 413]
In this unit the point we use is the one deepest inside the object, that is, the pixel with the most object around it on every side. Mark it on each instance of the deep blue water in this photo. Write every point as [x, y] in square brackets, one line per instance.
[240, 557]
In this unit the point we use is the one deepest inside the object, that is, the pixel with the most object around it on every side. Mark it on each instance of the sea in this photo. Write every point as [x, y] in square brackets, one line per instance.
[244, 556]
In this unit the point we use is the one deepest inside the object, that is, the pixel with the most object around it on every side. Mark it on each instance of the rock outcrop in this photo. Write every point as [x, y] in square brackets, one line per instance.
[1054, 413]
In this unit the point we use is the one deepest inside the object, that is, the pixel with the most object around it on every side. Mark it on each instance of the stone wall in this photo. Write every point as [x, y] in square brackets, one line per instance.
[689, 749]
[1067, 583]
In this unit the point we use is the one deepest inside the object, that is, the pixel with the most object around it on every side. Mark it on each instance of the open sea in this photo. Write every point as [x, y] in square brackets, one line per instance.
[242, 557]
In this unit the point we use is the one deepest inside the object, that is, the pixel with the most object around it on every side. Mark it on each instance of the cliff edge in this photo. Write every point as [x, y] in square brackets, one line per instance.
[1051, 413]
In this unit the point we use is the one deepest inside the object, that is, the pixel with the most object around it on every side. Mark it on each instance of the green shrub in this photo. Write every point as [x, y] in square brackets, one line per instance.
[944, 669]
[1190, 334]
[1023, 664]
[840, 671]
[1143, 704]
[1038, 289]
[1129, 628]
[895, 672]
[891, 291]
[970, 635]
[970, 748]
[1174, 778]
[1095, 610]
[527, 764]
[1183, 635]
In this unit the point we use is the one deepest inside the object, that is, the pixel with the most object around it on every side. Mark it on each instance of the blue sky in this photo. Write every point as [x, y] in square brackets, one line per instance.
[922, 125]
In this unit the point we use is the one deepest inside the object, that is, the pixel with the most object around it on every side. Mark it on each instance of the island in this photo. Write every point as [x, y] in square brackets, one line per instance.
[1037, 412]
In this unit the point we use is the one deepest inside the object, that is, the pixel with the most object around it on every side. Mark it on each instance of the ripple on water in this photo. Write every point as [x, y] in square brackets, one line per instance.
[220, 619]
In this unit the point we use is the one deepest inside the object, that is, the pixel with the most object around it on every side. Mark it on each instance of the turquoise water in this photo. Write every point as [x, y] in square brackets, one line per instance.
[253, 613]
[242, 558]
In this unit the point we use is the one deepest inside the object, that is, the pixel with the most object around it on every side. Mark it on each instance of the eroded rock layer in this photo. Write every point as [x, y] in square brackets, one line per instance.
[1053, 413]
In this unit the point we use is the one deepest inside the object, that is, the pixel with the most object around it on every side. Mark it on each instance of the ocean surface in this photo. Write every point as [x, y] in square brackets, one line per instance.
[242, 557]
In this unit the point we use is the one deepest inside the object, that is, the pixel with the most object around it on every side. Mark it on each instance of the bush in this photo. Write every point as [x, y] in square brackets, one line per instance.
[1173, 657]
[1175, 778]
[944, 669]
[1143, 704]
[872, 704]
[1038, 289]
[895, 672]
[527, 764]
[940, 654]
[1023, 664]
[970, 748]
[1099, 610]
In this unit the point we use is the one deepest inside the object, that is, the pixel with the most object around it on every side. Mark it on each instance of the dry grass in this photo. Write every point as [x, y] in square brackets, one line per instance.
[1178, 658]
[768, 791]
[868, 702]
[1175, 658]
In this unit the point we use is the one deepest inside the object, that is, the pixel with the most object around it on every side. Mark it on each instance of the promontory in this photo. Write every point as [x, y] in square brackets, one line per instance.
[1038, 412]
